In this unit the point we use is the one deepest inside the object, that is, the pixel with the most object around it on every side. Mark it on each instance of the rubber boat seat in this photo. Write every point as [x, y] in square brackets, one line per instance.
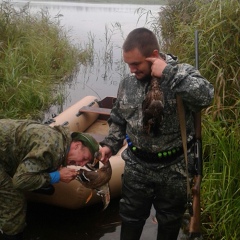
[102, 111]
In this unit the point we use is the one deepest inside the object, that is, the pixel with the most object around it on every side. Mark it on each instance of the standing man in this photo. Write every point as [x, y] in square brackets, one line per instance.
[155, 169]
[33, 156]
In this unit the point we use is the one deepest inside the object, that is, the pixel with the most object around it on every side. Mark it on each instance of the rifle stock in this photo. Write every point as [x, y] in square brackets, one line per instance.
[195, 219]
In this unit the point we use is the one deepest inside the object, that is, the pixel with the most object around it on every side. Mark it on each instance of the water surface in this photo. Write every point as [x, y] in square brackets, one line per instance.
[106, 25]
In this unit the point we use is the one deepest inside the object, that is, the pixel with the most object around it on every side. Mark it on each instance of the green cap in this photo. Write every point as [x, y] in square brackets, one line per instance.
[88, 141]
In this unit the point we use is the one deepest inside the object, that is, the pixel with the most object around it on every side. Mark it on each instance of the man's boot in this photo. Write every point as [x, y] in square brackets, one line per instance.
[130, 231]
[18, 236]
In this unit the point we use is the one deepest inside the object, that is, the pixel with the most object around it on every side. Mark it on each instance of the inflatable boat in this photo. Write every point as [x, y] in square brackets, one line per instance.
[87, 115]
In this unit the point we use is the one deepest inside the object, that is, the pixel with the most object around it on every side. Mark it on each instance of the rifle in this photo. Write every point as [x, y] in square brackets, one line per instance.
[193, 195]
[195, 219]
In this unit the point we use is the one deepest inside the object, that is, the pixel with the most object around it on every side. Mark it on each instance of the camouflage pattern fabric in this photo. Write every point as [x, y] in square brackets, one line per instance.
[144, 182]
[126, 116]
[13, 206]
[160, 184]
[147, 184]
[28, 152]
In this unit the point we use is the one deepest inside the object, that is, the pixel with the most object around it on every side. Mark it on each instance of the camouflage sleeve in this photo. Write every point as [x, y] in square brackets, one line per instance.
[33, 172]
[184, 79]
[117, 125]
[41, 150]
[29, 181]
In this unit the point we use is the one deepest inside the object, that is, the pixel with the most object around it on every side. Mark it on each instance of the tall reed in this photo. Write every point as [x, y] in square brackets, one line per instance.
[221, 191]
[219, 48]
[36, 55]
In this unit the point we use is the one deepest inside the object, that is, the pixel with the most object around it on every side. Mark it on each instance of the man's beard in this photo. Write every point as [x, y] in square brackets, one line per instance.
[145, 78]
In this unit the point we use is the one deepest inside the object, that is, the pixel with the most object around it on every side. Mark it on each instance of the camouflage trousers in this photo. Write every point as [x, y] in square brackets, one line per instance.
[12, 207]
[162, 185]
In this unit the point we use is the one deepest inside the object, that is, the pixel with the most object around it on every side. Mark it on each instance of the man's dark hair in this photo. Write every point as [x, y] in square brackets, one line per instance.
[143, 39]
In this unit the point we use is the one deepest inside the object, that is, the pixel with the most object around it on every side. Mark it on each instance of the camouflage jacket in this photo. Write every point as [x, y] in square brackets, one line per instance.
[29, 151]
[126, 115]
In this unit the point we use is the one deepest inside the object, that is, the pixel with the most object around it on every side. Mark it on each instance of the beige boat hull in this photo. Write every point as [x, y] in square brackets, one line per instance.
[74, 195]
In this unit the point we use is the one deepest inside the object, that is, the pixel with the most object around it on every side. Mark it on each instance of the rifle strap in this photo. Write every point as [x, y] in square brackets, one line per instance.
[182, 122]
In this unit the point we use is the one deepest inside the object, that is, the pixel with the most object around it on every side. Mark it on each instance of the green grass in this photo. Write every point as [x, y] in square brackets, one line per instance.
[220, 188]
[35, 57]
[219, 54]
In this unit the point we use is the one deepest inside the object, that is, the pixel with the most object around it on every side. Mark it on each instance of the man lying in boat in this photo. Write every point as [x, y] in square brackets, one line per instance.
[34, 156]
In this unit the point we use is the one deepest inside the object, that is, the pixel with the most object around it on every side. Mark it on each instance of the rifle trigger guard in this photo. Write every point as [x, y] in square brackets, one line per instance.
[190, 208]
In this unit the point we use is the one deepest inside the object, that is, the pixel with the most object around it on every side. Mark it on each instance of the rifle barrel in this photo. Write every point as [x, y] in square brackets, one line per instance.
[196, 50]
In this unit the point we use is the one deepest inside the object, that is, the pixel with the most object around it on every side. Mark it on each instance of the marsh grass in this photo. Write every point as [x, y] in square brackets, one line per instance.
[219, 46]
[35, 57]
[220, 189]
[219, 54]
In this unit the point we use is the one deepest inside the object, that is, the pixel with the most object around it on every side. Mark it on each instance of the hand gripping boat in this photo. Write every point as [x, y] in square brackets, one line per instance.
[87, 115]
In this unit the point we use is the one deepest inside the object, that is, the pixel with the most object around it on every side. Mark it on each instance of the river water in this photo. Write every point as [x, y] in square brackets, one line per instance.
[106, 25]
